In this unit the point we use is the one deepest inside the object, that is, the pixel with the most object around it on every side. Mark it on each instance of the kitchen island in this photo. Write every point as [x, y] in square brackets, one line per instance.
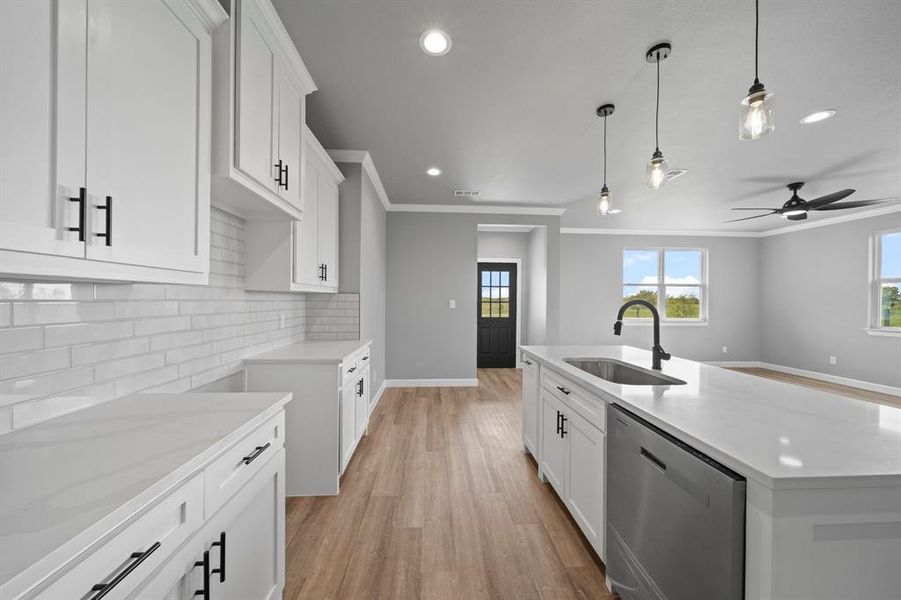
[823, 508]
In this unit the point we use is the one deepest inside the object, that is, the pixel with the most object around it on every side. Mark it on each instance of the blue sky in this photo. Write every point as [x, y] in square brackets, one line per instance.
[891, 255]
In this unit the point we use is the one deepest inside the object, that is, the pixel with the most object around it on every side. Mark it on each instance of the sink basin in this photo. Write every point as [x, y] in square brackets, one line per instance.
[617, 371]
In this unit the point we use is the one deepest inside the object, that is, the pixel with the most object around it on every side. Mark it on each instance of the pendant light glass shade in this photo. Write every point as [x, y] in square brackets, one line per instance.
[657, 168]
[756, 115]
[604, 205]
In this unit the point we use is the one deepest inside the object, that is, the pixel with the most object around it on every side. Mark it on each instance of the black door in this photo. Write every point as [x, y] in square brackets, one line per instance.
[497, 315]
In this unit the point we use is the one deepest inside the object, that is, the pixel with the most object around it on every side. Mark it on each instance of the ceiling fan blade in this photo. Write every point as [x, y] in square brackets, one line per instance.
[829, 198]
[747, 218]
[855, 204]
[758, 208]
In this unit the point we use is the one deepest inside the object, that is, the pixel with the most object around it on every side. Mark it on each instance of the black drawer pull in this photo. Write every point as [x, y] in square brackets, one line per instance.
[255, 454]
[563, 389]
[351, 370]
[649, 456]
[82, 199]
[365, 358]
[108, 207]
[137, 558]
[205, 563]
[221, 545]
[563, 421]
[528, 362]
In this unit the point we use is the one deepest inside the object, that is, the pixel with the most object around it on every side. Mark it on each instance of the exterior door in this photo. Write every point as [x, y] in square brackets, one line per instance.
[497, 315]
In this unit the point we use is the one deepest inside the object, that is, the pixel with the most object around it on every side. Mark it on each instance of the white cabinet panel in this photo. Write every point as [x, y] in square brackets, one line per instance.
[255, 95]
[362, 404]
[530, 405]
[42, 124]
[147, 122]
[585, 478]
[306, 245]
[290, 124]
[348, 423]
[554, 452]
[328, 230]
[179, 578]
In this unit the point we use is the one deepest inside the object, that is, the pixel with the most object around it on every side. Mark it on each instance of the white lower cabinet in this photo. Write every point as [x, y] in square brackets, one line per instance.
[348, 422]
[530, 406]
[362, 405]
[572, 452]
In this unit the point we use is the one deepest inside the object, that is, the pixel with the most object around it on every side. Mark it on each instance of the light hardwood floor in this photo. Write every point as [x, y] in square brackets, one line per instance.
[841, 390]
[440, 502]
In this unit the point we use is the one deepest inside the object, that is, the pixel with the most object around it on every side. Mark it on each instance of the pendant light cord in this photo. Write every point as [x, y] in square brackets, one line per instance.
[756, 37]
[605, 150]
[657, 111]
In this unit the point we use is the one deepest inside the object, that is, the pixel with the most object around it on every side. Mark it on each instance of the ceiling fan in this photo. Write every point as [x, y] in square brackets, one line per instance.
[796, 208]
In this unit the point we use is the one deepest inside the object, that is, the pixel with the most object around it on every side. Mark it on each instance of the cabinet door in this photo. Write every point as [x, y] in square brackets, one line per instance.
[179, 578]
[530, 405]
[255, 96]
[290, 122]
[148, 142]
[306, 251]
[362, 408]
[348, 422]
[553, 445]
[254, 525]
[328, 229]
[585, 478]
[42, 124]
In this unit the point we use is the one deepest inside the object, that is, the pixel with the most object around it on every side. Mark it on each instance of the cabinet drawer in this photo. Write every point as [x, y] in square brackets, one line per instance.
[352, 368]
[129, 557]
[239, 463]
[591, 408]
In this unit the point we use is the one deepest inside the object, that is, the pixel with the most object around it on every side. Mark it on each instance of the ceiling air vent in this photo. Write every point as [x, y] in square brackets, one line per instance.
[467, 193]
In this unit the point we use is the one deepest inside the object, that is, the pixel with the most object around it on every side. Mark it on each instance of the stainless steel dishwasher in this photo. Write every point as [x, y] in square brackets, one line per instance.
[675, 517]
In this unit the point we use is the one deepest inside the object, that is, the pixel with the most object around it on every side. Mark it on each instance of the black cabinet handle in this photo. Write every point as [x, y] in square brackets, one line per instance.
[360, 388]
[221, 545]
[82, 199]
[255, 454]
[286, 177]
[325, 276]
[563, 389]
[205, 563]
[278, 170]
[137, 558]
[558, 422]
[321, 272]
[563, 421]
[351, 370]
[108, 207]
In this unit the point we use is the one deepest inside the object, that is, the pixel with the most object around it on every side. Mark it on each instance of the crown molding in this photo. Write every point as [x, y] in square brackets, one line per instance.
[310, 138]
[480, 210]
[837, 220]
[286, 45]
[210, 13]
[364, 159]
[498, 228]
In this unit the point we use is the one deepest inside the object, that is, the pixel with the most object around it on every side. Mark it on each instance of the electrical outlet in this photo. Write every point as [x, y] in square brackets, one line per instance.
[452, 303]
[833, 360]
[282, 321]
[725, 349]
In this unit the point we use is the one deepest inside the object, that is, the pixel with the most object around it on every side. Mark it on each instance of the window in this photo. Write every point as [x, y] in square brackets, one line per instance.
[887, 280]
[672, 279]
[495, 294]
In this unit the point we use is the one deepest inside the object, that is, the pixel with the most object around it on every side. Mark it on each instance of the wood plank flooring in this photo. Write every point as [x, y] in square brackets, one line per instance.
[440, 502]
[817, 384]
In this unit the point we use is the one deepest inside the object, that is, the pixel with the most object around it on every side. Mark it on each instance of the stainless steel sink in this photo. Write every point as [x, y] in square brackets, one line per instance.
[619, 372]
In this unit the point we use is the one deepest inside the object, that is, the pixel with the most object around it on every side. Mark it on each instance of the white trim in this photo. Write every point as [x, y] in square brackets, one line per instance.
[378, 397]
[883, 331]
[209, 12]
[364, 159]
[874, 290]
[323, 154]
[518, 263]
[837, 379]
[498, 228]
[838, 220]
[401, 383]
[285, 44]
[485, 209]
[648, 322]
[734, 363]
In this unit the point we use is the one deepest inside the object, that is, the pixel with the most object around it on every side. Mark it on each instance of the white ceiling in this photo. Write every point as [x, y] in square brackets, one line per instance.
[510, 110]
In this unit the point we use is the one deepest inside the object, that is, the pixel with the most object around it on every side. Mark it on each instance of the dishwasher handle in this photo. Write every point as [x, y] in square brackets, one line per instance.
[649, 456]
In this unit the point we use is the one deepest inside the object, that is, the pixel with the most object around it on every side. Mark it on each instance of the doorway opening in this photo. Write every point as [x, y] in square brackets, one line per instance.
[497, 314]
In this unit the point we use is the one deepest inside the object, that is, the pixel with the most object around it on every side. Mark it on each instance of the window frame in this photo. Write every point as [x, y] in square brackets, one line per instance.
[874, 326]
[662, 285]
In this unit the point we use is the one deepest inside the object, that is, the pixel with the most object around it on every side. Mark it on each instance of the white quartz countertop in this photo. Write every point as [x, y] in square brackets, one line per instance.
[310, 352]
[67, 480]
[779, 434]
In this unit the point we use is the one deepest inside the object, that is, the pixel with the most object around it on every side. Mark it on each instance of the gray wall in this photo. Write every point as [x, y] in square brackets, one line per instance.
[349, 215]
[432, 259]
[591, 294]
[536, 321]
[814, 302]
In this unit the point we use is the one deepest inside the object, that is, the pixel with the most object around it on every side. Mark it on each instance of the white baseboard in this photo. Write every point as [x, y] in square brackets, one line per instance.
[733, 363]
[396, 383]
[837, 379]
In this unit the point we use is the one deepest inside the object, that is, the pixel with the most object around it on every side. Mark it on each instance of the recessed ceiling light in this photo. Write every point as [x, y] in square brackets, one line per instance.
[434, 171]
[820, 115]
[435, 42]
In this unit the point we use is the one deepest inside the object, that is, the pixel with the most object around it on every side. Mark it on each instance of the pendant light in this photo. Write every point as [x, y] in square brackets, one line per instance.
[756, 115]
[604, 205]
[657, 166]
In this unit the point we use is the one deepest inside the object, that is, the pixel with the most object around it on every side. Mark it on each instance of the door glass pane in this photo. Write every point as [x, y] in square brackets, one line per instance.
[505, 278]
[486, 278]
[682, 266]
[890, 305]
[640, 266]
[631, 292]
[505, 309]
[495, 309]
[505, 292]
[683, 302]
[890, 265]
[486, 308]
[495, 292]
[495, 278]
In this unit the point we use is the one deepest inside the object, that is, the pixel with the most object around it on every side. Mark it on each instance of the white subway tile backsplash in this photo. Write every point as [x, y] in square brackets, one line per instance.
[18, 340]
[84, 333]
[46, 313]
[71, 345]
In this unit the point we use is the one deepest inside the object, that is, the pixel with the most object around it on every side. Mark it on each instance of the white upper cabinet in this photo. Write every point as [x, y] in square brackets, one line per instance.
[299, 256]
[105, 148]
[260, 87]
